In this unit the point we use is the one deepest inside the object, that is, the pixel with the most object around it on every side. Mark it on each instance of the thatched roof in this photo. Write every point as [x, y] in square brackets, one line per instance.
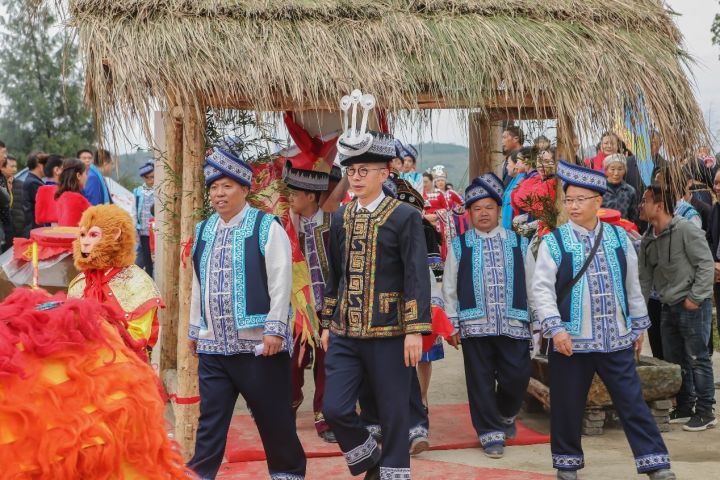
[584, 57]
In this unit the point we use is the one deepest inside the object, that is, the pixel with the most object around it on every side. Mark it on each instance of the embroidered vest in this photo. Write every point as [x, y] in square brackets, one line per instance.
[468, 250]
[251, 300]
[322, 242]
[569, 255]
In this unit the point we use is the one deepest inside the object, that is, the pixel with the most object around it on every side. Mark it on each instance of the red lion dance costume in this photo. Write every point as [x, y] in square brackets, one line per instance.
[76, 402]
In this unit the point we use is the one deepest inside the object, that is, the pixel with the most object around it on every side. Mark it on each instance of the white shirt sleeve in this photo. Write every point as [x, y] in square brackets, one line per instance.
[449, 286]
[529, 271]
[543, 288]
[194, 303]
[637, 307]
[278, 265]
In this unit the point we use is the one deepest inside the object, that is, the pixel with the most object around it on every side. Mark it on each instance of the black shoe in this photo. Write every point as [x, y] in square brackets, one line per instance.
[329, 437]
[373, 473]
[511, 431]
[680, 416]
[700, 422]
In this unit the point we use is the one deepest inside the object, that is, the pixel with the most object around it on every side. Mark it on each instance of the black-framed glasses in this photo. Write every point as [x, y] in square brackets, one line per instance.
[362, 171]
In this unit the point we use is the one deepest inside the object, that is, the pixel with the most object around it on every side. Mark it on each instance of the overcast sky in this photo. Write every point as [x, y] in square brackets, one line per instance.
[694, 19]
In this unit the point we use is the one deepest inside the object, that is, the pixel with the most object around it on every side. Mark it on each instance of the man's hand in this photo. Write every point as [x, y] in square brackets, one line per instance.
[690, 305]
[271, 345]
[563, 343]
[454, 340]
[325, 339]
[192, 345]
[639, 343]
[413, 349]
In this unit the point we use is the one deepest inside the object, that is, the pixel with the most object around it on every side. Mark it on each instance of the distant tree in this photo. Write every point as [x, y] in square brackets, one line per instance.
[715, 29]
[41, 87]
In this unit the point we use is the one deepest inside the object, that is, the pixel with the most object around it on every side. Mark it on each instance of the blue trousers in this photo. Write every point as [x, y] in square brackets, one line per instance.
[419, 421]
[497, 372]
[265, 384]
[686, 334]
[570, 379]
[379, 362]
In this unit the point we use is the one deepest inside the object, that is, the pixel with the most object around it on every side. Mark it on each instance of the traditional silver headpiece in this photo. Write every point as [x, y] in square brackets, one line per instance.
[360, 144]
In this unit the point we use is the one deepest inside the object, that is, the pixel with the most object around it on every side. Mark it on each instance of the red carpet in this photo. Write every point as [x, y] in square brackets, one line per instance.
[450, 428]
[335, 469]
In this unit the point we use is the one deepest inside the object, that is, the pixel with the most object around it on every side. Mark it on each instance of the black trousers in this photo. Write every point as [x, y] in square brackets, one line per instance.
[266, 386]
[497, 373]
[144, 257]
[419, 421]
[380, 362]
[570, 379]
[654, 332]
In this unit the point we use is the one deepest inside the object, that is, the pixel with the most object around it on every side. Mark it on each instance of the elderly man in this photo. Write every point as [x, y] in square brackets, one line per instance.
[239, 323]
[588, 301]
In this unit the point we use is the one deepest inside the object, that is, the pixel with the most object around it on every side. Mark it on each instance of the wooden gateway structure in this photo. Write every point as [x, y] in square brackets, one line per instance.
[578, 61]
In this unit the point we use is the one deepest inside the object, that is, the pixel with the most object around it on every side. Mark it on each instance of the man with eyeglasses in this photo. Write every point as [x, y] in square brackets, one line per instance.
[376, 308]
[588, 300]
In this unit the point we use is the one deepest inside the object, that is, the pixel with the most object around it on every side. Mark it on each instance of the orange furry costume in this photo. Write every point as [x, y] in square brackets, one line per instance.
[109, 274]
[75, 401]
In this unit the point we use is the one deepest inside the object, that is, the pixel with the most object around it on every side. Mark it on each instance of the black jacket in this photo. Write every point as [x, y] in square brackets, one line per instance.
[713, 231]
[30, 187]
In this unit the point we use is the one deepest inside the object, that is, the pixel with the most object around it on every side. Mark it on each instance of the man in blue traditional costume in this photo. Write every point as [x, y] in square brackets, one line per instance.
[588, 300]
[377, 304]
[242, 267]
[307, 180]
[485, 298]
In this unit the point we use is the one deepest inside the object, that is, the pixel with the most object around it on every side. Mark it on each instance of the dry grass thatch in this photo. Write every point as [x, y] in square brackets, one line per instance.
[586, 57]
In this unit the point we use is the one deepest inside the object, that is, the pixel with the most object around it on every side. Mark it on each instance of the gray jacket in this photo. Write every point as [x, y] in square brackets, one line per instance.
[677, 263]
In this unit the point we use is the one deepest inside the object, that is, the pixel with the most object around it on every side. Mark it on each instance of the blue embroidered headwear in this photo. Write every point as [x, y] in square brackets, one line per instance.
[487, 185]
[221, 163]
[399, 148]
[410, 151]
[357, 144]
[582, 177]
[149, 167]
[390, 186]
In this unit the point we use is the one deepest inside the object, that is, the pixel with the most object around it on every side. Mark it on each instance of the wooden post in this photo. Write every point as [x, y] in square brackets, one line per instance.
[479, 138]
[187, 410]
[168, 175]
[485, 145]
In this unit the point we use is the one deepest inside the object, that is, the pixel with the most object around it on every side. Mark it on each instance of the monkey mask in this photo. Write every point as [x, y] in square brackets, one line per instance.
[107, 239]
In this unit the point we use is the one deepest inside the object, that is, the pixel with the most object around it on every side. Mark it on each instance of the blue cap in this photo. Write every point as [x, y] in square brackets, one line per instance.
[222, 163]
[487, 185]
[582, 177]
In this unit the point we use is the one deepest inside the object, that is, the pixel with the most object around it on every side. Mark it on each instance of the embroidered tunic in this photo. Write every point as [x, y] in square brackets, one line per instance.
[605, 311]
[221, 318]
[314, 235]
[378, 284]
[485, 266]
[688, 212]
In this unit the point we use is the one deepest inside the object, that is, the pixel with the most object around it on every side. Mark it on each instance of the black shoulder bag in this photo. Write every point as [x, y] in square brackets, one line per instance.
[567, 288]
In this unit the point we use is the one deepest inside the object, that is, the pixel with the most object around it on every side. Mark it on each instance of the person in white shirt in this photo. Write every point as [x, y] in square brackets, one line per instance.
[587, 298]
[239, 322]
[485, 299]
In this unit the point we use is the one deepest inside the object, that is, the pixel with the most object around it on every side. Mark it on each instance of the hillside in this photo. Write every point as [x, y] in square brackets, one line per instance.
[453, 157]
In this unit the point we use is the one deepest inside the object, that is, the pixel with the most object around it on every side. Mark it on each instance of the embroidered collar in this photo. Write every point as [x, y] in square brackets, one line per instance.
[316, 218]
[584, 232]
[492, 233]
[236, 220]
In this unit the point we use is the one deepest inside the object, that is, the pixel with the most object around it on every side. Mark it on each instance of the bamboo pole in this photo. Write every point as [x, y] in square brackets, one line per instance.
[168, 174]
[187, 407]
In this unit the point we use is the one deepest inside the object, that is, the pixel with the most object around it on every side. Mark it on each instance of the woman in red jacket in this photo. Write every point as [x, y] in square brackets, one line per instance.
[70, 202]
